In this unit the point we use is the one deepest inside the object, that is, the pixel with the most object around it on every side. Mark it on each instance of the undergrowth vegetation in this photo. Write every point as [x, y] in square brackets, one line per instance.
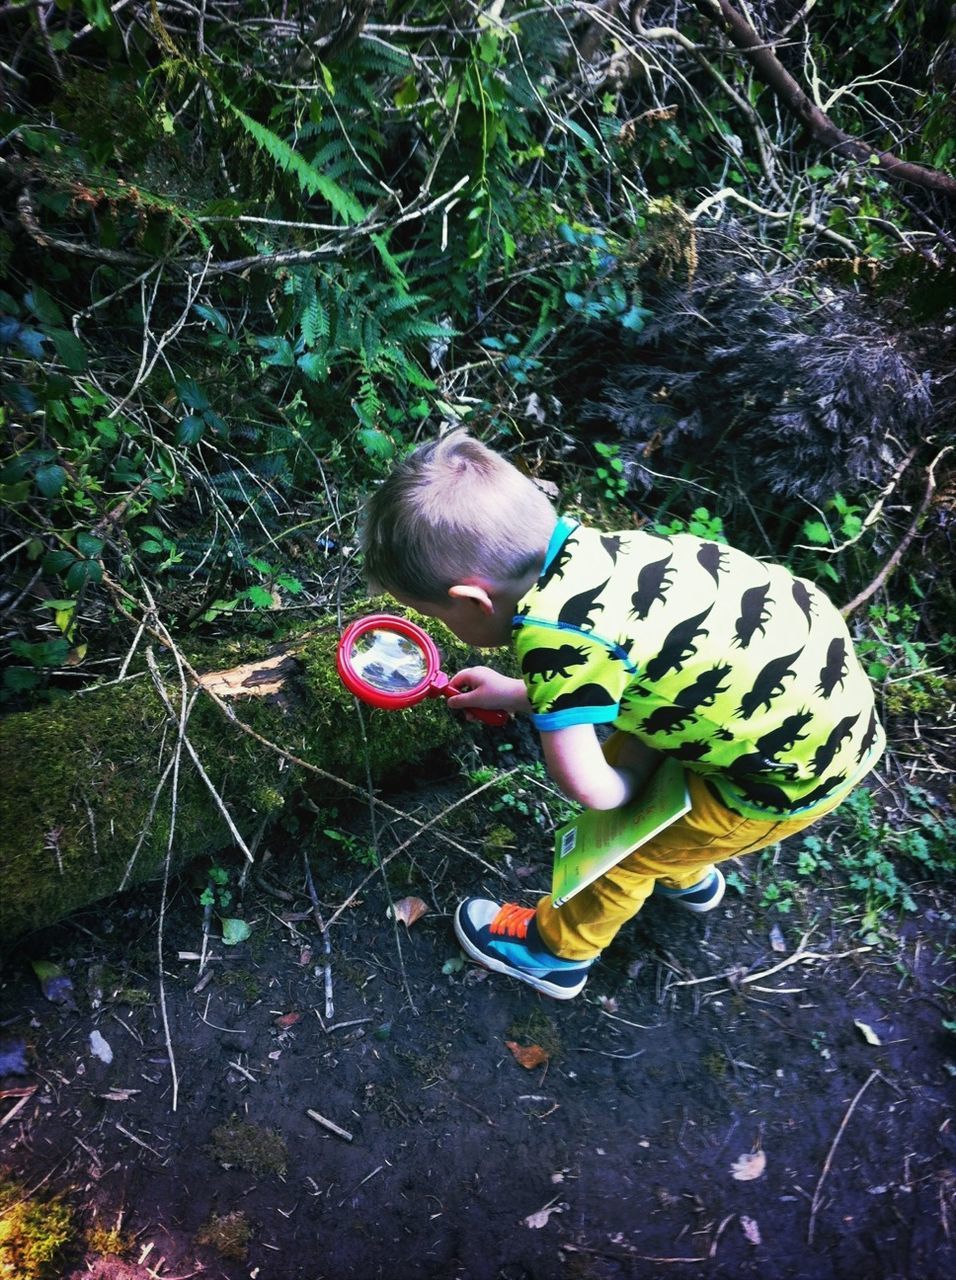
[247, 264]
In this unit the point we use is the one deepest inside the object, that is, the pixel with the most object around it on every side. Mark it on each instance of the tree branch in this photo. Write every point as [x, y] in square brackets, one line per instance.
[775, 75]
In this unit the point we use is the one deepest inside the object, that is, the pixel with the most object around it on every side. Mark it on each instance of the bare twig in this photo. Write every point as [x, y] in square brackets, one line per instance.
[818, 1193]
[329, 1124]
[217, 798]
[905, 541]
[323, 930]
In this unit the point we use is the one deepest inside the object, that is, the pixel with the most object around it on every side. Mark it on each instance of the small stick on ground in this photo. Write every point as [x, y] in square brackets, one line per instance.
[329, 1124]
[326, 944]
[818, 1193]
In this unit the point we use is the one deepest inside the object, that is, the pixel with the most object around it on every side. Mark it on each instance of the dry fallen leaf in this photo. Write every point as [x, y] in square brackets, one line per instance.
[408, 910]
[749, 1166]
[608, 1004]
[540, 1219]
[751, 1230]
[287, 1020]
[777, 940]
[868, 1034]
[529, 1056]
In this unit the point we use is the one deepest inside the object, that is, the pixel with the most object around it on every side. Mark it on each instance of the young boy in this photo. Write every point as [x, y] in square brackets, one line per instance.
[687, 647]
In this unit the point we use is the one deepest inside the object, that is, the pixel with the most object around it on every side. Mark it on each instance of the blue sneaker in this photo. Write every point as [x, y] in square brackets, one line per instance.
[505, 939]
[699, 897]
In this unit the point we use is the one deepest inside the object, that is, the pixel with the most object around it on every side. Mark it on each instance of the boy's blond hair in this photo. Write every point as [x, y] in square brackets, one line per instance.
[454, 510]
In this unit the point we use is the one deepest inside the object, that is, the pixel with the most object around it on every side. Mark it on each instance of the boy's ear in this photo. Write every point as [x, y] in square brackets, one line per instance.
[472, 591]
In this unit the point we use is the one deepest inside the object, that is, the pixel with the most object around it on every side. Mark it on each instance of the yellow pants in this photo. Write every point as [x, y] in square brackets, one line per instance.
[679, 857]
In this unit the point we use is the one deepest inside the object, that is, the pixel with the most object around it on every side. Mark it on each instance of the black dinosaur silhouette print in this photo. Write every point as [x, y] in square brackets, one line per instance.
[653, 583]
[834, 670]
[804, 600]
[678, 647]
[560, 562]
[754, 615]
[771, 746]
[667, 720]
[769, 684]
[546, 664]
[612, 544]
[713, 558]
[705, 689]
[588, 695]
[577, 611]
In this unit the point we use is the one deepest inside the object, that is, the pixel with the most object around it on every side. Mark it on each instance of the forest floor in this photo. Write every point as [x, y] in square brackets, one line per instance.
[726, 1098]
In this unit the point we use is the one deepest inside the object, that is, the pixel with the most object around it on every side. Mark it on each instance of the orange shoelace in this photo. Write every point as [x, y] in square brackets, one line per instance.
[512, 921]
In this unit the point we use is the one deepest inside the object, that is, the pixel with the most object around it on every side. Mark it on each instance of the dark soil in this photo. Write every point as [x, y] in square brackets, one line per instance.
[611, 1158]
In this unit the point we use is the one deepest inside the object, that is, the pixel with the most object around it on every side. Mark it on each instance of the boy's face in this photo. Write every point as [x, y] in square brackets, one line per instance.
[470, 614]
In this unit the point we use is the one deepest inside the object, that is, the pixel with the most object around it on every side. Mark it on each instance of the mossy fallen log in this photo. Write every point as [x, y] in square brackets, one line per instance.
[84, 811]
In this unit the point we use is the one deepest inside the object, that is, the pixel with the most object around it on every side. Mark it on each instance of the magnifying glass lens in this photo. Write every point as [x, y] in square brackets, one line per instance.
[389, 662]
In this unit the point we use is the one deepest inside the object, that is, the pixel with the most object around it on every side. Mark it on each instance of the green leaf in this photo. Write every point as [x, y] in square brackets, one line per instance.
[375, 443]
[234, 931]
[107, 428]
[190, 430]
[57, 561]
[11, 494]
[583, 134]
[192, 395]
[70, 350]
[816, 531]
[98, 13]
[280, 352]
[48, 653]
[20, 679]
[50, 480]
[43, 307]
[82, 572]
[259, 596]
[214, 317]
[390, 261]
[88, 544]
[407, 93]
[314, 366]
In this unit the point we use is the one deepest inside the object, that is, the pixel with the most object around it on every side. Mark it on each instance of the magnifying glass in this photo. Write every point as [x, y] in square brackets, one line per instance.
[391, 663]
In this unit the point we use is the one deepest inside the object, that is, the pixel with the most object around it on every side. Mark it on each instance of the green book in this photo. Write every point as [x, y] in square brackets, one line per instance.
[595, 841]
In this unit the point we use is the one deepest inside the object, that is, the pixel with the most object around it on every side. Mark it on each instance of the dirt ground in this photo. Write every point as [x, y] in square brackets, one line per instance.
[702, 1049]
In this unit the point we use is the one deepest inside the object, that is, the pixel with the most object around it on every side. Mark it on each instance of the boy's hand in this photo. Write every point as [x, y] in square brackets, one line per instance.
[489, 690]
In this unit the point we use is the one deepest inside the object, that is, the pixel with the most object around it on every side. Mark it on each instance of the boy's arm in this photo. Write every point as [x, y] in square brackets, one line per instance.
[488, 689]
[577, 764]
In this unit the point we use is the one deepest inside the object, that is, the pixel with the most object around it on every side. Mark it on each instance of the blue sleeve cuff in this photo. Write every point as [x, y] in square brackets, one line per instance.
[547, 721]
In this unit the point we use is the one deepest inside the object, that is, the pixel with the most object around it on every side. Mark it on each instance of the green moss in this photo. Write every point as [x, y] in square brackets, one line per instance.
[34, 1235]
[81, 775]
[237, 1144]
[109, 1242]
[228, 1234]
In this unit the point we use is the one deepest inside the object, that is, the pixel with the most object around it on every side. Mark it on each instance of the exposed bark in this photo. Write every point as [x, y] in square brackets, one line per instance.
[775, 75]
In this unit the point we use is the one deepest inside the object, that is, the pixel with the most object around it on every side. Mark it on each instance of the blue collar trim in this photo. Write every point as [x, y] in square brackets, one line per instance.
[562, 531]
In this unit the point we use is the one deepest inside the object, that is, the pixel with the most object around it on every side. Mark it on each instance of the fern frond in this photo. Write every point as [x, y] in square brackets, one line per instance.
[290, 161]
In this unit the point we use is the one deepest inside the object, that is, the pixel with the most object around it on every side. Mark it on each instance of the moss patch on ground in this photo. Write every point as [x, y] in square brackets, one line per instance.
[34, 1234]
[237, 1144]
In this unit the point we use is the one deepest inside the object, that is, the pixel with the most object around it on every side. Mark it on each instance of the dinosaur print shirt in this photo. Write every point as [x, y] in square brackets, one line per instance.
[734, 666]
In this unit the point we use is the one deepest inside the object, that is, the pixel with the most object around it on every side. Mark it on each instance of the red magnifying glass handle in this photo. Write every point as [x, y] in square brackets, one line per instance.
[494, 718]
